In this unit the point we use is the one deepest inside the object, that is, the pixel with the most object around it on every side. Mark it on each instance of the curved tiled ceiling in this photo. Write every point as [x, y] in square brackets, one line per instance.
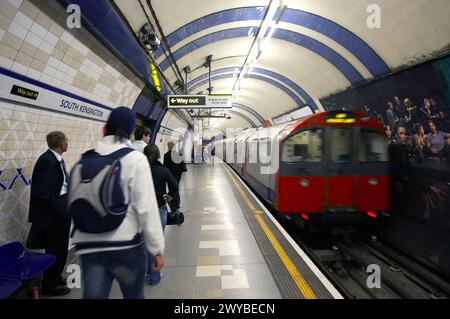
[249, 110]
[235, 70]
[319, 47]
[243, 116]
[305, 19]
[276, 84]
[345, 67]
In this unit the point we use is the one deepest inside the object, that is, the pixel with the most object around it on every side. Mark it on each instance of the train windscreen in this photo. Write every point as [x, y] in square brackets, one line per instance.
[341, 145]
[305, 146]
[372, 147]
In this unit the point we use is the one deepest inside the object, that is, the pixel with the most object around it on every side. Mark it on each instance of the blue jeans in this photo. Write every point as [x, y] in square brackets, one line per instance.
[127, 266]
[155, 276]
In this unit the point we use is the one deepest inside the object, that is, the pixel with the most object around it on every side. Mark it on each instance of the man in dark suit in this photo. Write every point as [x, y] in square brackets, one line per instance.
[174, 162]
[50, 221]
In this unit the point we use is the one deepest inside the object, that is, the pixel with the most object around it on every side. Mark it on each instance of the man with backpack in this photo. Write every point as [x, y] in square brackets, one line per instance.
[113, 205]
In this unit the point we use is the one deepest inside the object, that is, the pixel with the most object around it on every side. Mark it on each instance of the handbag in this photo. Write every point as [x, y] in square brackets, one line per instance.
[175, 218]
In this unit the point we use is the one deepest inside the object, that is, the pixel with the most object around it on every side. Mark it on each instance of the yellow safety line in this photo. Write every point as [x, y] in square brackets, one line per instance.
[249, 203]
[301, 283]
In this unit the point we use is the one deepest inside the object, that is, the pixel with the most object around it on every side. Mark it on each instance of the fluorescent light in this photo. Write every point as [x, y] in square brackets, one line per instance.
[262, 40]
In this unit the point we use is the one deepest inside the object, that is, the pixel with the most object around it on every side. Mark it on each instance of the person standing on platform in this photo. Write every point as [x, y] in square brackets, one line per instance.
[142, 137]
[120, 254]
[162, 177]
[50, 220]
[174, 162]
[213, 153]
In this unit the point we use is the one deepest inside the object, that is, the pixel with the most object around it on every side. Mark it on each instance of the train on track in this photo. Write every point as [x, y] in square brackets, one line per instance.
[328, 168]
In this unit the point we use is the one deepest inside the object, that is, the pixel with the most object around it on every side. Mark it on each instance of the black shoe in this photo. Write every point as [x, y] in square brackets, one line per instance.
[56, 291]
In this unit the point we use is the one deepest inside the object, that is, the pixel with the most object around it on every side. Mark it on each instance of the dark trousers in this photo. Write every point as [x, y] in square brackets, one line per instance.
[175, 202]
[56, 243]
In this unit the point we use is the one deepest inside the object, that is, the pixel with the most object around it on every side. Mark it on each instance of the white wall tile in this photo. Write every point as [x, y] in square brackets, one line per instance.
[68, 79]
[18, 30]
[2, 34]
[103, 88]
[46, 47]
[5, 62]
[91, 73]
[127, 91]
[71, 71]
[79, 46]
[84, 69]
[39, 30]
[23, 20]
[95, 75]
[33, 39]
[15, 3]
[59, 75]
[50, 38]
[56, 82]
[49, 70]
[118, 86]
[53, 62]
[45, 78]
[34, 74]
[19, 68]
[66, 86]
[63, 67]
[112, 71]
[67, 37]
[88, 63]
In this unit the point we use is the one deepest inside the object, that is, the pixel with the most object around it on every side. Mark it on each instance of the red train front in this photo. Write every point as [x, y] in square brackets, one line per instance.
[333, 167]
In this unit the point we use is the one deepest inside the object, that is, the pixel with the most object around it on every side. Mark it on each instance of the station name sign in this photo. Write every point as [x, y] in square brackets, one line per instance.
[218, 101]
[33, 94]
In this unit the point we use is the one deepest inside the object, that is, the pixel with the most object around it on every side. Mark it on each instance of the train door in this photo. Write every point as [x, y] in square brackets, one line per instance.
[339, 188]
[373, 166]
[301, 182]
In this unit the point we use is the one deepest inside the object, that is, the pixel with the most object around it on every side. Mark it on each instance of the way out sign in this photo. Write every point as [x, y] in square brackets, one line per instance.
[199, 101]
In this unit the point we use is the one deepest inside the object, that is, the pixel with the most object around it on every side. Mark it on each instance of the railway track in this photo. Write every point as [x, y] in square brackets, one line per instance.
[362, 267]
[369, 269]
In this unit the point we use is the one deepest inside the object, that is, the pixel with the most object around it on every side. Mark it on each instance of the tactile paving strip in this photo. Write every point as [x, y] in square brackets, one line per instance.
[283, 278]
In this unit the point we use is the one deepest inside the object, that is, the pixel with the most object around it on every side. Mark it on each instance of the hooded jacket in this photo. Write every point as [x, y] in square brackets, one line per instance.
[143, 211]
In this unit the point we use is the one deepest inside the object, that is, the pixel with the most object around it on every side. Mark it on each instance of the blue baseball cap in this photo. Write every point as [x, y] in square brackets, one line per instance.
[122, 120]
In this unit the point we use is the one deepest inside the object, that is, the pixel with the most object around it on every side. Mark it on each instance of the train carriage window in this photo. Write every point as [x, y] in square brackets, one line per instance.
[240, 149]
[264, 149]
[372, 147]
[341, 145]
[253, 151]
[304, 147]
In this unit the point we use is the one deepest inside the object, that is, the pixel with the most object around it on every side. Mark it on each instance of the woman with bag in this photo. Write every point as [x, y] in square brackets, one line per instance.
[161, 177]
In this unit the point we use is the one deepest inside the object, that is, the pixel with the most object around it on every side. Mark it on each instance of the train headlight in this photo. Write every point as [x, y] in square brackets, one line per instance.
[304, 183]
[373, 182]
